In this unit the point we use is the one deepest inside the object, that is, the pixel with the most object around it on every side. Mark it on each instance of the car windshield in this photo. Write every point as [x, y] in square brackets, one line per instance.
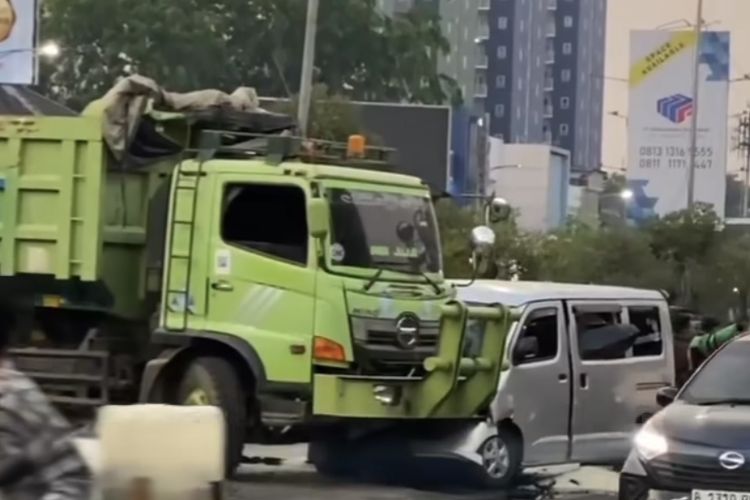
[373, 229]
[723, 379]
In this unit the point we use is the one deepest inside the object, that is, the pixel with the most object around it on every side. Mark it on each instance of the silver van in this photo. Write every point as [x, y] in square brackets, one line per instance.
[582, 368]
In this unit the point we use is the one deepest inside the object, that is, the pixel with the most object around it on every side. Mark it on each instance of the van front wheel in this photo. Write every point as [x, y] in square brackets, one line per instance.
[501, 459]
[213, 381]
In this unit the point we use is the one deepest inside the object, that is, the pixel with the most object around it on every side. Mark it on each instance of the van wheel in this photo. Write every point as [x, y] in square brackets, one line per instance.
[214, 381]
[502, 456]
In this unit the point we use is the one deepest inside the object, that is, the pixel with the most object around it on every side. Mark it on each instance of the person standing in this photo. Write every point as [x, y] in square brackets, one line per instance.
[38, 458]
[683, 334]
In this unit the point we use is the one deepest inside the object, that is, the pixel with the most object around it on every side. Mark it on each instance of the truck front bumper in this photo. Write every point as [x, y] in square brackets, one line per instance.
[454, 386]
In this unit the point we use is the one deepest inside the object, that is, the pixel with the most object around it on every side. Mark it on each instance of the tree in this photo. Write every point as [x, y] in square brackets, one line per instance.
[191, 44]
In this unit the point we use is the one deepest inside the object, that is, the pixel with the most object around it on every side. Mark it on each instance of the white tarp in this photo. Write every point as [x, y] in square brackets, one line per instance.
[132, 97]
[660, 115]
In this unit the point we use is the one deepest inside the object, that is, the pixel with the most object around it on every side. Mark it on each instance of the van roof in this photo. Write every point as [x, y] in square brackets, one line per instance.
[516, 293]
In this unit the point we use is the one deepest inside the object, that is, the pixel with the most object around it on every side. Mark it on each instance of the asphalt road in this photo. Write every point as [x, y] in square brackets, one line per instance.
[293, 479]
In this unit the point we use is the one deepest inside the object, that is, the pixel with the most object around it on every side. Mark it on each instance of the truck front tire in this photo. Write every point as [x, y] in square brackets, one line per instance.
[214, 381]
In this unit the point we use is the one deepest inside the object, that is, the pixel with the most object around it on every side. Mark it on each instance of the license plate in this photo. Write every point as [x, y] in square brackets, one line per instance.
[718, 495]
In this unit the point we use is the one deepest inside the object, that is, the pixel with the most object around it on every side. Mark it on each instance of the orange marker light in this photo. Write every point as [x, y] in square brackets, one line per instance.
[327, 350]
[355, 148]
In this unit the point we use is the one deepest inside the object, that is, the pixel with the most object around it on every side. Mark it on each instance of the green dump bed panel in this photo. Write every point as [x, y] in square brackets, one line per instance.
[51, 196]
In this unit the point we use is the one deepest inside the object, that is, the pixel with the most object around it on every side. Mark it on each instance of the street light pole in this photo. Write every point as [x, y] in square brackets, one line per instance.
[308, 63]
[694, 122]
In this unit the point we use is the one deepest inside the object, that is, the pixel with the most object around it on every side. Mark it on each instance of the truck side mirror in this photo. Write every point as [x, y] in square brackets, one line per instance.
[317, 218]
[528, 347]
[497, 210]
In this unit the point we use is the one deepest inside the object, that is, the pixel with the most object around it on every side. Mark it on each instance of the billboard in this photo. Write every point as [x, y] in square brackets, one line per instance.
[660, 115]
[420, 134]
[18, 38]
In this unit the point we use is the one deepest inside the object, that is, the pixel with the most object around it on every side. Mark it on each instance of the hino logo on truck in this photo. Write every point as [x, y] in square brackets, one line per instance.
[407, 331]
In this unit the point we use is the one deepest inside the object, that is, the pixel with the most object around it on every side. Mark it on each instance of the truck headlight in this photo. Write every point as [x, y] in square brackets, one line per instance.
[650, 443]
[387, 395]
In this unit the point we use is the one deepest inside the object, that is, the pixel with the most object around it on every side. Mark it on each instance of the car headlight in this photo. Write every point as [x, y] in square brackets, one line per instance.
[650, 443]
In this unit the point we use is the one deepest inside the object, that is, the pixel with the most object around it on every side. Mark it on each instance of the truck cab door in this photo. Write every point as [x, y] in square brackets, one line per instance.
[260, 281]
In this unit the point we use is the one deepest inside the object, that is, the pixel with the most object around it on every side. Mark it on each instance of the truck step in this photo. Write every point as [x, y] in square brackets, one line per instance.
[57, 353]
[73, 401]
[64, 377]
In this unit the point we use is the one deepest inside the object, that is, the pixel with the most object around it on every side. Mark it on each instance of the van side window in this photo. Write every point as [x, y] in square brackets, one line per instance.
[538, 339]
[598, 335]
[269, 219]
[649, 341]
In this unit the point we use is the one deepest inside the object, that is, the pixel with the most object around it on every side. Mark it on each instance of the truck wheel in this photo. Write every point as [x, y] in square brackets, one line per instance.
[331, 458]
[502, 456]
[214, 381]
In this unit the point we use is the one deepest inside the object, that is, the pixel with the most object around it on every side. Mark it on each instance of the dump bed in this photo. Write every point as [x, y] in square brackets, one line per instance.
[51, 196]
[68, 212]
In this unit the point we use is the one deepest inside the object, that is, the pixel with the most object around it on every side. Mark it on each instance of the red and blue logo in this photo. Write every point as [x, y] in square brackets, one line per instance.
[675, 108]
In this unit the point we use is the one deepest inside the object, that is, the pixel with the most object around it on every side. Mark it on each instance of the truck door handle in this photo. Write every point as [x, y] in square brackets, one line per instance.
[222, 286]
[584, 381]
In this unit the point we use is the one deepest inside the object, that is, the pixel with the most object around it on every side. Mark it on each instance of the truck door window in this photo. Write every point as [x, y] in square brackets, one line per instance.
[599, 335]
[647, 320]
[542, 326]
[268, 219]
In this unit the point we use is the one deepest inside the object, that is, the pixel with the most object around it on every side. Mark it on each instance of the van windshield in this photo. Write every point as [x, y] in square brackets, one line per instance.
[371, 229]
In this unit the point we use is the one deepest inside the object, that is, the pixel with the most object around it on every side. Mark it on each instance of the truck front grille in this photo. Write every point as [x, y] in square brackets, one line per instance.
[377, 348]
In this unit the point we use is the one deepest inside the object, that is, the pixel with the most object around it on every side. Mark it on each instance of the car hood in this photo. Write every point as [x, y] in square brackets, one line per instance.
[721, 426]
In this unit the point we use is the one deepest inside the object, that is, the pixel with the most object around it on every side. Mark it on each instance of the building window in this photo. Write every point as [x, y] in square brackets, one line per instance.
[565, 75]
[502, 23]
[499, 110]
[465, 62]
[500, 81]
[564, 102]
[522, 26]
[502, 51]
[448, 28]
[567, 48]
[563, 129]
[520, 83]
[520, 54]
[568, 21]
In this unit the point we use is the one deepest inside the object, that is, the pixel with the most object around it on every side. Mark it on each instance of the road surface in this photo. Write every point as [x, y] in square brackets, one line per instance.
[293, 479]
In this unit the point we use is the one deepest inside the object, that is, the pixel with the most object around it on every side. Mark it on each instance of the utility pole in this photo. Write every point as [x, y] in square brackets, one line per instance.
[743, 145]
[308, 64]
[694, 122]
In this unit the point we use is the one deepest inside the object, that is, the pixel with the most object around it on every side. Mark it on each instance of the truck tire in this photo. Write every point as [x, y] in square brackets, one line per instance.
[331, 458]
[214, 381]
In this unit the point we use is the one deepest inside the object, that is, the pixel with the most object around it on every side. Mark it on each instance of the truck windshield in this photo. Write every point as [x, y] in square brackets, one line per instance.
[371, 229]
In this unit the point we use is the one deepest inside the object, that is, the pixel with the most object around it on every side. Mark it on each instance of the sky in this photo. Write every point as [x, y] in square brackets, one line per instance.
[626, 15]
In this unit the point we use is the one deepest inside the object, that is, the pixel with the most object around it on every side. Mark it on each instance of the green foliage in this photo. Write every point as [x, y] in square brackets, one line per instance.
[687, 254]
[191, 44]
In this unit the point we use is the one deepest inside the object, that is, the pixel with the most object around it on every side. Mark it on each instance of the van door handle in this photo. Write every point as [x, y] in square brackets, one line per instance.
[562, 377]
[584, 381]
[222, 286]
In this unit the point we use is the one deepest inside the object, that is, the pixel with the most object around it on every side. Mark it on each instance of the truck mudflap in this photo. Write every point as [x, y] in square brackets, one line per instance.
[454, 385]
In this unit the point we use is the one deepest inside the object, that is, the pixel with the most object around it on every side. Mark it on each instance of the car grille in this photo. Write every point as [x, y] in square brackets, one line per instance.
[679, 473]
[377, 347]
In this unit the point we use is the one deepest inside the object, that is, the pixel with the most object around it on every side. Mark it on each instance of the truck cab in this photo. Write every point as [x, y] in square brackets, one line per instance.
[293, 283]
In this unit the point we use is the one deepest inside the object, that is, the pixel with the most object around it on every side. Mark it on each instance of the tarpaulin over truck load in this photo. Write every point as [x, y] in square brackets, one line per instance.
[124, 107]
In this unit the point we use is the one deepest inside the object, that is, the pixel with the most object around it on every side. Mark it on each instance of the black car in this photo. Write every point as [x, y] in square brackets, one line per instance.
[698, 446]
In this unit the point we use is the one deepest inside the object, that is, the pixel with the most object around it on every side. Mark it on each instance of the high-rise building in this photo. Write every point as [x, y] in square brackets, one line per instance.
[535, 66]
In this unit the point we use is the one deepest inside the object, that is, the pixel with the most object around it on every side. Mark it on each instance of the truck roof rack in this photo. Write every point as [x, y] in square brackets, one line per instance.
[231, 134]
[276, 148]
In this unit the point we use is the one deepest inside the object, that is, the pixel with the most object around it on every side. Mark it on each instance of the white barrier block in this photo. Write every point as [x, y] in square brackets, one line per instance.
[179, 449]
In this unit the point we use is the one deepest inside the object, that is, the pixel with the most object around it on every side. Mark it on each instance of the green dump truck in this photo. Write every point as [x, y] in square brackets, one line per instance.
[220, 260]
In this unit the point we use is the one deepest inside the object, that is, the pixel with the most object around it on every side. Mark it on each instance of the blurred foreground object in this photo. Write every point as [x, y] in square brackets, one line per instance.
[151, 452]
